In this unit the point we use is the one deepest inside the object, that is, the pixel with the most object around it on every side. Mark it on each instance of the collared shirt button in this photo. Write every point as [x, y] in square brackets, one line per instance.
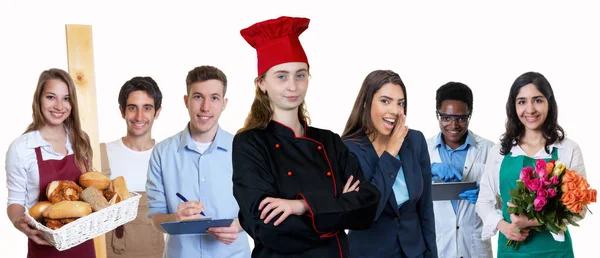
[277, 145]
[289, 173]
[396, 219]
[457, 227]
[328, 173]
[319, 148]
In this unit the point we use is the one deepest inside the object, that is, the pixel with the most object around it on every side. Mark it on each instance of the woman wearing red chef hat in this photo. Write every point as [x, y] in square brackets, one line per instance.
[298, 187]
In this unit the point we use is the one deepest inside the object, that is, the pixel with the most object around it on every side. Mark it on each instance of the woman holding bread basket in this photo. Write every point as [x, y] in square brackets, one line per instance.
[53, 147]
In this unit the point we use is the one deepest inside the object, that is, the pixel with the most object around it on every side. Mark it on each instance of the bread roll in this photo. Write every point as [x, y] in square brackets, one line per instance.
[95, 179]
[94, 198]
[115, 199]
[120, 187]
[67, 209]
[108, 194]
[37, 210]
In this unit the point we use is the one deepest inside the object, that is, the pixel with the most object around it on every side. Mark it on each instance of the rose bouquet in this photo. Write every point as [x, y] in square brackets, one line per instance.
[552, 194]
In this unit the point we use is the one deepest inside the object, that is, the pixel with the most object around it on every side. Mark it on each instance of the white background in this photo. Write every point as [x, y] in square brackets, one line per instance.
[484, 45]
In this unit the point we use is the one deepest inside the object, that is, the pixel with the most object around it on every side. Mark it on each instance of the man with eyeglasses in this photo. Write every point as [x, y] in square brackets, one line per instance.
[458, 154]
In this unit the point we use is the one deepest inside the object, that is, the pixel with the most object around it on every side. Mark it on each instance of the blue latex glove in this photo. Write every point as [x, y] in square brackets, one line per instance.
[470, 195]
[445, 172]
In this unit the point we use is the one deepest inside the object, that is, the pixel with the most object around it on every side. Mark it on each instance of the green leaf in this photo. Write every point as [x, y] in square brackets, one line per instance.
[553, 228]
[511, 210]
[572, 222]
[530, 207]
[539, 218]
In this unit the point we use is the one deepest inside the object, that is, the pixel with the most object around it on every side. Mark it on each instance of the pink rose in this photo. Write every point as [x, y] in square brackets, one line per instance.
[526, 173]
[539, 164]
[533, 184]
[545, 181]
[554, 180]
[551, 192]
[539, 203]
[542, 193]
[540, 168]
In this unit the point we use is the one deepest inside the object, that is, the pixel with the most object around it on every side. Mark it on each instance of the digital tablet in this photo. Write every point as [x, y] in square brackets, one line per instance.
[445, 191]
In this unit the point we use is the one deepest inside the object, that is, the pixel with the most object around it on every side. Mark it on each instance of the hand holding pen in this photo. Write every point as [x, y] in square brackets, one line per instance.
[189, 210]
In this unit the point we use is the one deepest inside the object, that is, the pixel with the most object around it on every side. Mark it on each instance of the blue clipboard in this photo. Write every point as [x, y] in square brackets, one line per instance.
[194, 226]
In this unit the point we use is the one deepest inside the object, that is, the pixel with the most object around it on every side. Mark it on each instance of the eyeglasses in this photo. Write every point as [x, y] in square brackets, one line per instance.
[447, 119]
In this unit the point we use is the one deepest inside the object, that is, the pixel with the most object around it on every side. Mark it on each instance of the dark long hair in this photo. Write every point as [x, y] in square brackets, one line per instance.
[551, 130]
[359, 122]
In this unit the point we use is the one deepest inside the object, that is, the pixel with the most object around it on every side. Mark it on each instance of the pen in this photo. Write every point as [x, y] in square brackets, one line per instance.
[185, 200]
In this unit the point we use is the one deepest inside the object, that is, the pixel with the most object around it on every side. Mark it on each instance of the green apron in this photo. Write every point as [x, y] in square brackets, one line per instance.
[537, 244]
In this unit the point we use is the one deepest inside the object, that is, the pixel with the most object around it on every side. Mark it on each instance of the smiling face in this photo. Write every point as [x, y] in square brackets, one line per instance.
[55, 102]
[531, 107]
[205, 103]
[286, 85]
[453, 119]
[139, 113]
[387, 105]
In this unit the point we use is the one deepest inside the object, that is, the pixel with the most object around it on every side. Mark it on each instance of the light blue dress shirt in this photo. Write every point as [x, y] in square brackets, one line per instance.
[456, 158]
[176, 165]
[399, 186]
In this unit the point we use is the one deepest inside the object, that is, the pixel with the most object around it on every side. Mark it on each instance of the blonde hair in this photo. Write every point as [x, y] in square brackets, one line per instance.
[79, 139]
[261, 112]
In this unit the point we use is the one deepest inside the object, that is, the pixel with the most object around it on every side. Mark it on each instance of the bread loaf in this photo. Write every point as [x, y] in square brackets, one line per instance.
[94, 198]
[119, 186]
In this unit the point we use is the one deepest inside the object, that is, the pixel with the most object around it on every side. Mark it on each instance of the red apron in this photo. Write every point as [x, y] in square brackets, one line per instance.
[51, 170]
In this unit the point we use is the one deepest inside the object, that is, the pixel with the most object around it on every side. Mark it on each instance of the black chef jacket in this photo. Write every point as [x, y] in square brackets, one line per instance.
[273, 162]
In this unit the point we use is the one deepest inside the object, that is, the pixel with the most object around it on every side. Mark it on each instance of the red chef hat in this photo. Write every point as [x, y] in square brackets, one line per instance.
[276, 41]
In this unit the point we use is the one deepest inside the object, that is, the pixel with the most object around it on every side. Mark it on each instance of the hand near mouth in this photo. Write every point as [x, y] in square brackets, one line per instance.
[397, 137]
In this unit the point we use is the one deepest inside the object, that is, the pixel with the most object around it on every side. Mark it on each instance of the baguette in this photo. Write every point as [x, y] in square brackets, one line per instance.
[67, 209]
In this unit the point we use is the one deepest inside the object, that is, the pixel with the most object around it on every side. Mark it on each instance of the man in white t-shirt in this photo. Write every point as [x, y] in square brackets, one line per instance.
[139, 103]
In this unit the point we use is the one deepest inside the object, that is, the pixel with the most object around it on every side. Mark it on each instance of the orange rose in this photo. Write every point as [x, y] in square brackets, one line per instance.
[549, 167]
[569, 176]
[583, 184]
[591, 194]
[568, 198]
[580, 196]
[569, 186]
[574, 207]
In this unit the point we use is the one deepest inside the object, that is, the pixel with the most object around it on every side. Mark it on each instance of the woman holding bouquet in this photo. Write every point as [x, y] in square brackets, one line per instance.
[532, 132]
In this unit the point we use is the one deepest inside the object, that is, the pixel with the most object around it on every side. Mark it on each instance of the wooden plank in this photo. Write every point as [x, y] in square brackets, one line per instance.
[80, 55]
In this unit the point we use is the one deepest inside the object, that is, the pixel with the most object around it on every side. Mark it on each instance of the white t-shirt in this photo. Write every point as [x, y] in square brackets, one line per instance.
[202, 146]
[133, 165]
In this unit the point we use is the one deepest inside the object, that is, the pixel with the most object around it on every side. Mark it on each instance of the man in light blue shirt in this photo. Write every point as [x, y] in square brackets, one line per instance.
[197, 164]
